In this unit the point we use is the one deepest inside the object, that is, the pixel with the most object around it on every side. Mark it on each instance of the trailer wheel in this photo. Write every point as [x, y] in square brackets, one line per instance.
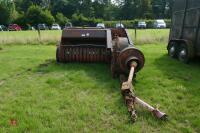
[183, 55]
[57, 55]
[172, 50]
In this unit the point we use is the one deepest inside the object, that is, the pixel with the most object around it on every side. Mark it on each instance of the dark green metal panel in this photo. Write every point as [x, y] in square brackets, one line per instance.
[186, 22]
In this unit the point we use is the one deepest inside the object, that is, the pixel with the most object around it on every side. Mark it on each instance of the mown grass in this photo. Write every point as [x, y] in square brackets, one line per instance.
[40, 95]
[148, 36]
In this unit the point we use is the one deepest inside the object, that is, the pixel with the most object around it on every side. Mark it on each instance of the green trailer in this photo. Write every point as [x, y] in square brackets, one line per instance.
[184, 39]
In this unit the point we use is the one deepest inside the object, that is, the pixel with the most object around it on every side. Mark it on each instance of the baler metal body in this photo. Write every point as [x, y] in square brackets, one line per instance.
[89, 45]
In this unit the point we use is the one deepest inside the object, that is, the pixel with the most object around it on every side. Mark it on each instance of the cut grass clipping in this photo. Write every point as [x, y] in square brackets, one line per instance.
[39, 95]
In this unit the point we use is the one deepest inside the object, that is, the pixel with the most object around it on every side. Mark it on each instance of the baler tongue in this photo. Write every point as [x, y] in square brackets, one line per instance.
[112, 46]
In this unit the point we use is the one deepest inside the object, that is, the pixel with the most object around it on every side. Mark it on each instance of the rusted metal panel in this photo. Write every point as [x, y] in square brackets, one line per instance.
[99, 45]
[84, 33]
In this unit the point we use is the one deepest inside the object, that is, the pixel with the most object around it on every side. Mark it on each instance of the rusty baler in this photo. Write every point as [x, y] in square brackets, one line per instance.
[112, 46]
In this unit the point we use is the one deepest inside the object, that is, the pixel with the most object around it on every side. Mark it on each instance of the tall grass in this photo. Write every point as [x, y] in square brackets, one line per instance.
[148, 36]
[29, 37]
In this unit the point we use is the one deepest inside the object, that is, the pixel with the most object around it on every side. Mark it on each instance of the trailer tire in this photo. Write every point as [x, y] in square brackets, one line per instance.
[183, 54]
[173, 49]
[57, 55]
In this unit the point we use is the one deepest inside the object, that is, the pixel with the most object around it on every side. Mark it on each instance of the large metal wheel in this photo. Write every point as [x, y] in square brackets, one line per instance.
[173, 50]
[183, 54]
[57, 54]
[130, 54]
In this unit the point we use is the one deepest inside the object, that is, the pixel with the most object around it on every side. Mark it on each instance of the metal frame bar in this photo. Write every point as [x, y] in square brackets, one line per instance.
[183, 24]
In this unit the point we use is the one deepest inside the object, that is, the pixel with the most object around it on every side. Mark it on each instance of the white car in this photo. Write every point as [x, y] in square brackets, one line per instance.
[100, 25]
[119, 25]
[160, 23]
[55, 27]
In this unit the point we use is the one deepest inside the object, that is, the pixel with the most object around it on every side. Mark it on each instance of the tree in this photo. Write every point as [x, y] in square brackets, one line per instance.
[129, 9]
[79, 20]
[61, 19]
[158, 7]
[7, 12]
[66, 7]
[36, 15]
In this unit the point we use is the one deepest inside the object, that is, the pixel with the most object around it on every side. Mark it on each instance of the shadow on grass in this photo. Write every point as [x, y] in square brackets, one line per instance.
[98, 72]
[186, 75]
[174, 69]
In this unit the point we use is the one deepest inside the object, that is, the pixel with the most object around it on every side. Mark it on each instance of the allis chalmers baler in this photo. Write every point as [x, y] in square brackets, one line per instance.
[113, 46]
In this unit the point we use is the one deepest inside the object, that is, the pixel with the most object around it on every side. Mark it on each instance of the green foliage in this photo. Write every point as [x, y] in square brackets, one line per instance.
[7, 12]
[47, 17]
[82, 13]
[80, 20]
[21, 19]
[36, 15]
[61, 19]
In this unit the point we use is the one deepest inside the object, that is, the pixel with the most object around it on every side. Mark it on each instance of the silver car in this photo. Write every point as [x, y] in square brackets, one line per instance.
[55, 27]
[142, 25]
[100, 25]
[160, 23]
[119, 25]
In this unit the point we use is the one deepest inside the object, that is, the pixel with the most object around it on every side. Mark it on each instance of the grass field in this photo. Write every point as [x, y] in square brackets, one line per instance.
[149, 36]
[39, 95]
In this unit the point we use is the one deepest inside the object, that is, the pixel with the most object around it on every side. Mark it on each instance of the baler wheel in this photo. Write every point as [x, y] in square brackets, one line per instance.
[130, 54]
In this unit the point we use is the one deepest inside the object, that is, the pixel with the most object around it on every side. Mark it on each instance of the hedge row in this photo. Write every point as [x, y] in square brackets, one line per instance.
[133, 23]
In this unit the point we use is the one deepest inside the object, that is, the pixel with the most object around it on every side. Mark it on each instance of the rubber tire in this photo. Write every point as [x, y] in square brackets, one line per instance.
[57, 55]
[173, 55]
[185, 59]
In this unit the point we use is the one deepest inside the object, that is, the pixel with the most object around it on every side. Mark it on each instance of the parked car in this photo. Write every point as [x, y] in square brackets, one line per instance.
[32, 28]
[3, 28]
[142, 24]
[14, 27]
[119, 25]
[100, 25]
[43, 27]
[160, 23]
[68, 25]
[55, 27]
